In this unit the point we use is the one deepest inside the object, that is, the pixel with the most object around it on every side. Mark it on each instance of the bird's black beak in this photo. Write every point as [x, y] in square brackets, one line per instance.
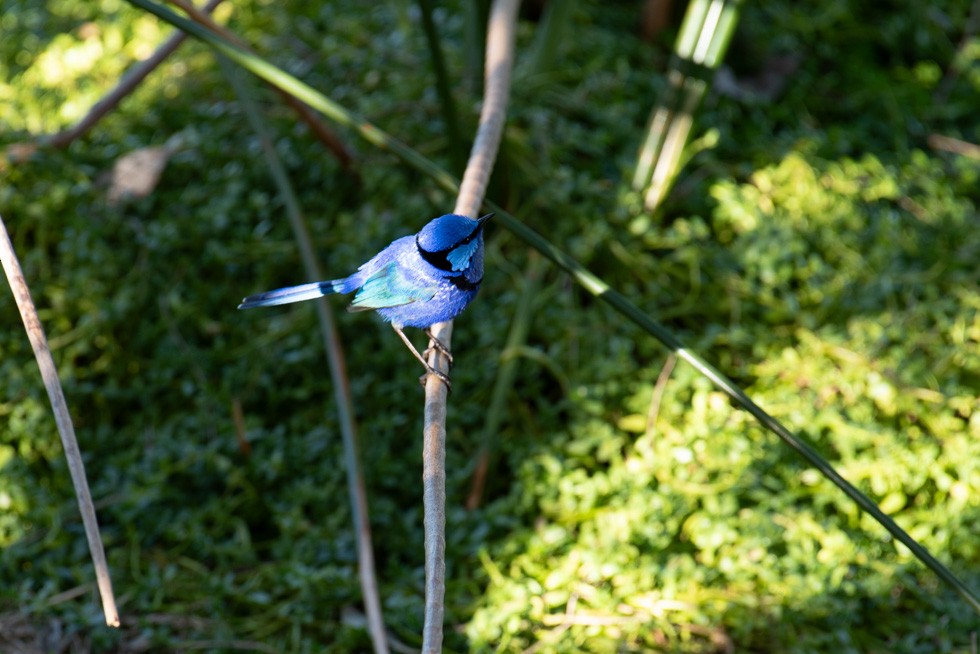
[485, 218]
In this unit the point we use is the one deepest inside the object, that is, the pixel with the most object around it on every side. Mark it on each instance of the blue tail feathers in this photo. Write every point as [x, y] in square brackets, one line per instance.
[292, 294]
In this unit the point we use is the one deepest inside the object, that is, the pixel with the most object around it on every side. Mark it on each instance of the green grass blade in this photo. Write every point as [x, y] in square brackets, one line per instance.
[555, 27]
[335, 360]
[624, 306]
[446, 103]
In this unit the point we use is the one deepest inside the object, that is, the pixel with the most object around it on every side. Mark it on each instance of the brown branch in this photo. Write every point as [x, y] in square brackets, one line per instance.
[954, 145]
[499, 62]
[59, 406]
[130, 80]
[658, 393]
[955, 69]
[320, 129]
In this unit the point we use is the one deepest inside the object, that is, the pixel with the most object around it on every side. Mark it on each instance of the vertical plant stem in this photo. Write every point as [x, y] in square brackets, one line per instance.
[475, 16]
[550, 34]
[49, 373]
[443, 88]
[658, 394]
[337, 365]
[499, 63]
[547, 39]
[505, 381]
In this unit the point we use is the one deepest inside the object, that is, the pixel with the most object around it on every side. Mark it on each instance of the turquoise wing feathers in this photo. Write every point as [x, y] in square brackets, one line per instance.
[388, 287]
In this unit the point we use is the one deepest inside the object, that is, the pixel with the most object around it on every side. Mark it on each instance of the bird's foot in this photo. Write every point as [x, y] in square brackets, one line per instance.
[436, 345]
[442, 377]
[429, 369]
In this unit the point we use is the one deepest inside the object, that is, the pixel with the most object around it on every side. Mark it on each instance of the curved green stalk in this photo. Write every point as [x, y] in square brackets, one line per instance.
[579, 273]
[336, 363]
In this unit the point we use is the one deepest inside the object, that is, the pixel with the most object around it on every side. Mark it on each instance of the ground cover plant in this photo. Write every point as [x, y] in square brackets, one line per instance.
[819, 247]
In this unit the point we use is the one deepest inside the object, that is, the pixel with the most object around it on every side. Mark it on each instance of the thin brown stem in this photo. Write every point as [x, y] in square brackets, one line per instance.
[336, 362]
[658, 393]
[133, 77]
[320, 129]
[499, 64]
[954, 145]
[49, 373]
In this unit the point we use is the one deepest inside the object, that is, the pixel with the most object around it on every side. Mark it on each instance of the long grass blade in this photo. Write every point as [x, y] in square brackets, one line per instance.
[598, 288]
[475, 14]
[579, 273]
[335, 360]
[553, 30]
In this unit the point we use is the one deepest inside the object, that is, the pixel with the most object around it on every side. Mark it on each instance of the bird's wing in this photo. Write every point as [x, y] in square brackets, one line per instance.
[389, 287]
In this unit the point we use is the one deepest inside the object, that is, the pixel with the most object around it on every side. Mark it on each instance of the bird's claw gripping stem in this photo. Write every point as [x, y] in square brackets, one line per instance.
[438, 346]
[442, 377]
[429, 369]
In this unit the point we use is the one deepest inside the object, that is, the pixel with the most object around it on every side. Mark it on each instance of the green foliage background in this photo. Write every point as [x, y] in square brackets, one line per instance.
[815, 248]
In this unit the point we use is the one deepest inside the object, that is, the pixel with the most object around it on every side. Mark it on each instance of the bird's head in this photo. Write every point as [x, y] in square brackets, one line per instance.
[449, 242]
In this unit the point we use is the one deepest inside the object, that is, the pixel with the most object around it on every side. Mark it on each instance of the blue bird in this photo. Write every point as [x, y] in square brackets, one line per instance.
[416, 281]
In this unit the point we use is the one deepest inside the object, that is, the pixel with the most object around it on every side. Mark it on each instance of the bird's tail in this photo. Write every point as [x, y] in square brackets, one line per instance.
[290, 294]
